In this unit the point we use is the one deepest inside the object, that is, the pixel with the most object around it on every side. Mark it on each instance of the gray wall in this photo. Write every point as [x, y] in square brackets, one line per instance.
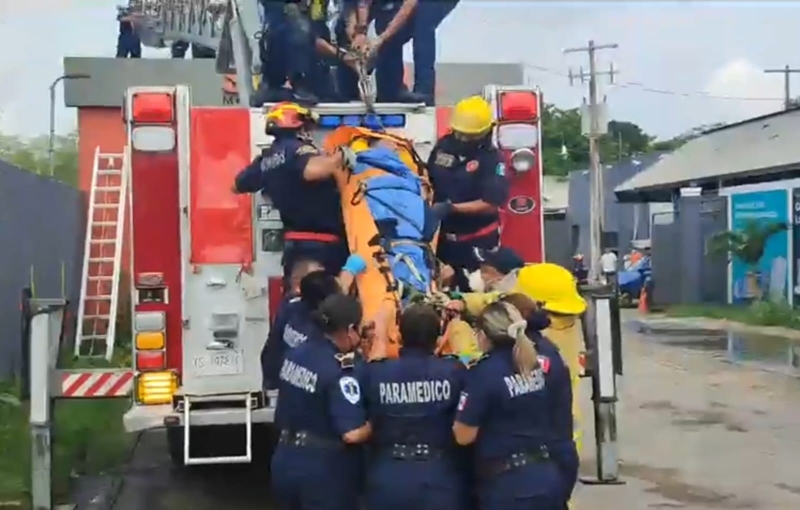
[41, 225]
[676, 249]
[557, 247]
[618, 218]
[110, 77]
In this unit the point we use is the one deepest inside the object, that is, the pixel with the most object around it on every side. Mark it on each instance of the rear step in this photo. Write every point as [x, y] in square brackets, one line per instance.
[235, 459]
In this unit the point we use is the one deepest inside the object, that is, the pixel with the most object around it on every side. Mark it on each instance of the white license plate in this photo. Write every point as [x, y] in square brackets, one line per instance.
[219, 363]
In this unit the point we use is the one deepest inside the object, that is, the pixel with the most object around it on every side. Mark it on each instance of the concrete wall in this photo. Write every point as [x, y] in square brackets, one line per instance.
[41, 230]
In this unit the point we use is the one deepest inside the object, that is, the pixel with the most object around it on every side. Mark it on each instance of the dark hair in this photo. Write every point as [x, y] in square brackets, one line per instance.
[337, 313]
[420, 326]
[316, 286]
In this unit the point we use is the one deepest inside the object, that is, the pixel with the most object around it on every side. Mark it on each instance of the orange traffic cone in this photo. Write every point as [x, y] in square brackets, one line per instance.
[643, 305]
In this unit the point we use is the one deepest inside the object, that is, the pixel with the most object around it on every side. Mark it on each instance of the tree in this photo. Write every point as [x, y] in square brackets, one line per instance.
[747, 245]
[565, 148]
[31, 154]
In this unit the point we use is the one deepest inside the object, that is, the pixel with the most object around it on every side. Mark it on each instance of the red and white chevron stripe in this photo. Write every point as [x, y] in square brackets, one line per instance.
[96, 384]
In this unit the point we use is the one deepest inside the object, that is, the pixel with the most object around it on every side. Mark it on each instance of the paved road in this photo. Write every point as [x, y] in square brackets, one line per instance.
[696, 433]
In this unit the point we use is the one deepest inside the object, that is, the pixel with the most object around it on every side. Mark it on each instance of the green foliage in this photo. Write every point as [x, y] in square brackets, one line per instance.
[561, 129]
[32, 154]
[746, 244]
[758, 313]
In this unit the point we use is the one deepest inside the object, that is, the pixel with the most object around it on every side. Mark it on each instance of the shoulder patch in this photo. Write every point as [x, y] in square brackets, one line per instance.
[462, 401]
[500, 169]
[346, 361]
[306, 149]
[351, 391]
[273, 160]
[444, 159]
[544, 362]
[472, 166]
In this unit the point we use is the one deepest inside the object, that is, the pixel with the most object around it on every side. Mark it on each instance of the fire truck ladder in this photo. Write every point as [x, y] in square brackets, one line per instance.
[230, 27]
[102, 257]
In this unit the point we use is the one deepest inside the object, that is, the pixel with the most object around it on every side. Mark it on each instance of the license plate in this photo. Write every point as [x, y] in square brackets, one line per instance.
[218, 363]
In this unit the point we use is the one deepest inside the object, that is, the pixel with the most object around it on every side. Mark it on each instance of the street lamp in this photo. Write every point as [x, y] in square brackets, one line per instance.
[51, 139]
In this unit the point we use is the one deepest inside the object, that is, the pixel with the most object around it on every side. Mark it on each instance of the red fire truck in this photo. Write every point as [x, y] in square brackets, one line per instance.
[205, 269]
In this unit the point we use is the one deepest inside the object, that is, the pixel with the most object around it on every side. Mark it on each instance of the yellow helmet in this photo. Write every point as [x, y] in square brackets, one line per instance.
[553, 285]
[472, 116]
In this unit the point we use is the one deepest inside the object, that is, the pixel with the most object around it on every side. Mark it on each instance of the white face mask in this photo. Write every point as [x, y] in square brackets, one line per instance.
[476, 283]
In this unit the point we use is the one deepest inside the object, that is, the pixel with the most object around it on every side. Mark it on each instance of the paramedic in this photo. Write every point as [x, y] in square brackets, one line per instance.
[468, 178]
[293, 324]
[505, 410]
[561, 446]
[412, 402]
[321, 415]
[296, 36]
[554, 287]
[298, 179]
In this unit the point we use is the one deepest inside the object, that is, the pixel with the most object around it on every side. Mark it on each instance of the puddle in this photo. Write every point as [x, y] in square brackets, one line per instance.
[769, 351]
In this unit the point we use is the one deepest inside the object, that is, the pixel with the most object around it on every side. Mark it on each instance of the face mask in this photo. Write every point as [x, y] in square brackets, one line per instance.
[476, 282]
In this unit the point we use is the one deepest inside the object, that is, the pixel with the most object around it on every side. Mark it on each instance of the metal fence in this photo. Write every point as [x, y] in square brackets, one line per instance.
[672, 237]
[41, 232]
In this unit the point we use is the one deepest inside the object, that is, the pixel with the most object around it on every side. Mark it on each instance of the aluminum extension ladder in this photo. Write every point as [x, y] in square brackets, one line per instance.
[230, 27]
[102, 256]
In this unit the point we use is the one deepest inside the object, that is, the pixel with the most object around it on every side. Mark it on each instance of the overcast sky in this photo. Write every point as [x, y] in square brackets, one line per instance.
[673, 56]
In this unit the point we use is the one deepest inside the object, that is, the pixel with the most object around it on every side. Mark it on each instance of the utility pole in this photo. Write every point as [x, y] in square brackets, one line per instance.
[786, 71]
[597, 207]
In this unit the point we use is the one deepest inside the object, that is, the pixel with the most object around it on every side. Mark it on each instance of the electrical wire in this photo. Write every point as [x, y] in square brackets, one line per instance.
[654, 90]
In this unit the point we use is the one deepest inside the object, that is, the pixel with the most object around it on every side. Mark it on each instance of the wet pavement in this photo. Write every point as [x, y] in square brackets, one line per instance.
[702, 425]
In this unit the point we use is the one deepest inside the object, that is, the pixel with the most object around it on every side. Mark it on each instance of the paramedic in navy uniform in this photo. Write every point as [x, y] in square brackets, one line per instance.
[298, 179]
[412, 402]
[505, 411]
[321, 415]
[468, 178]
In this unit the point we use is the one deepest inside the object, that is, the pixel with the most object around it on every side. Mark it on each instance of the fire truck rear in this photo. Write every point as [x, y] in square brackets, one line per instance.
[205, 266]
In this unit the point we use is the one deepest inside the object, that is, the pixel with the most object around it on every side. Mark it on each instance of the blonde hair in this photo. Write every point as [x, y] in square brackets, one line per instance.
[503, 324]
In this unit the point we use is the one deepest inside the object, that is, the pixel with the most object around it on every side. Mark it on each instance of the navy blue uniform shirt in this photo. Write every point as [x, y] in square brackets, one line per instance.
[317, 394]
[512, 411]
[304, 206]
[463, 173]
[413, 399]
[292, 327]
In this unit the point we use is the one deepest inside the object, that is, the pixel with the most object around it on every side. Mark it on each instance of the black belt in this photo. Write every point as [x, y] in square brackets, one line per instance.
[515, 460]
[304, 438]
[416, 452]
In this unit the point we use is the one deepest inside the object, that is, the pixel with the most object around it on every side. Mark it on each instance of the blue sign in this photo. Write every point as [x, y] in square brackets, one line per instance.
[770, 279]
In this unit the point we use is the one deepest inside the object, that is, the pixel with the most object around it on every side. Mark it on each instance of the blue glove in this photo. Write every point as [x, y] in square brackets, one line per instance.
[355, 264]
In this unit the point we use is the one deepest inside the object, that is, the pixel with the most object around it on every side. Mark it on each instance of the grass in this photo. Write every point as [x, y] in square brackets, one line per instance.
[88, 438]
[760, 313]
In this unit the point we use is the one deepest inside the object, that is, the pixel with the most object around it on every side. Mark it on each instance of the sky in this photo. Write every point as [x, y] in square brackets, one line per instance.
[682, 63]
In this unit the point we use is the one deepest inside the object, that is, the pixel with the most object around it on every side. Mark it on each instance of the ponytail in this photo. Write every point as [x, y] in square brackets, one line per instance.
[526, 359]
[503, 324]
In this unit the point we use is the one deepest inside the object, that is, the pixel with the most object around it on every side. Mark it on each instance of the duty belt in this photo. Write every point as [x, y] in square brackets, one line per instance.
[304, 438]
[418, 452]
[515, 460]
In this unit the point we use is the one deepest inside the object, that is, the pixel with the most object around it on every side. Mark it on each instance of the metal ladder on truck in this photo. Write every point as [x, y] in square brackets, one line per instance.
[102, 256]
[230, 27]
[233, 28]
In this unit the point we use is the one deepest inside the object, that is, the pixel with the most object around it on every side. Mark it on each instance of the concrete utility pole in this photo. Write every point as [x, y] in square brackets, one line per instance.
[597, 207]
[786, 71]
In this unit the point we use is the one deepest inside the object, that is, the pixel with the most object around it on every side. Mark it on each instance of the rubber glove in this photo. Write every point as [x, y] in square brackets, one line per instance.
[355, 264]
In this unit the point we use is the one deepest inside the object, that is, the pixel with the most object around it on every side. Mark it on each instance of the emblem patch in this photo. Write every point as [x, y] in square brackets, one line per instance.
[462, 401]
[350, 389]
[444, 159]
[472, 166]
[544, 362]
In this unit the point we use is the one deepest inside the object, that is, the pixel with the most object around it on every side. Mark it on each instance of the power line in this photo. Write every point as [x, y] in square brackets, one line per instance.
[786, 72]
[655, 90]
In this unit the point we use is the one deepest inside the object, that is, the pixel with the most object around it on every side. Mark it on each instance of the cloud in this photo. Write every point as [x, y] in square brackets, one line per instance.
[741, 78]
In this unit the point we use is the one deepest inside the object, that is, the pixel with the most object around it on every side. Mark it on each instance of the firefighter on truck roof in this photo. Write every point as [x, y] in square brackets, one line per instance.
[298, 179]
[468, 178]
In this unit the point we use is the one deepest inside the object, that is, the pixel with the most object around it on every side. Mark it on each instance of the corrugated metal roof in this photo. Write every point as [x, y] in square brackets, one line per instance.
[756, 145]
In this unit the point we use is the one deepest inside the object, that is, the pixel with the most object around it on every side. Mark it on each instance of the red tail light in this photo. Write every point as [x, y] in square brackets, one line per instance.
[518, 106]
[150, 360]
[275, 294]
[152, 108]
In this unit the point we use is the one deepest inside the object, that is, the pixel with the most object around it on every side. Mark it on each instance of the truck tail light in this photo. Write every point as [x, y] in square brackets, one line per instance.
[156, 388]
[519, 106]
[152, 108]
[275, 295]
[150, 342]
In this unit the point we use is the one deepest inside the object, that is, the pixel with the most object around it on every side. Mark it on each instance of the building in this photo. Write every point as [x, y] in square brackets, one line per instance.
[623, 222]
[740, 173]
